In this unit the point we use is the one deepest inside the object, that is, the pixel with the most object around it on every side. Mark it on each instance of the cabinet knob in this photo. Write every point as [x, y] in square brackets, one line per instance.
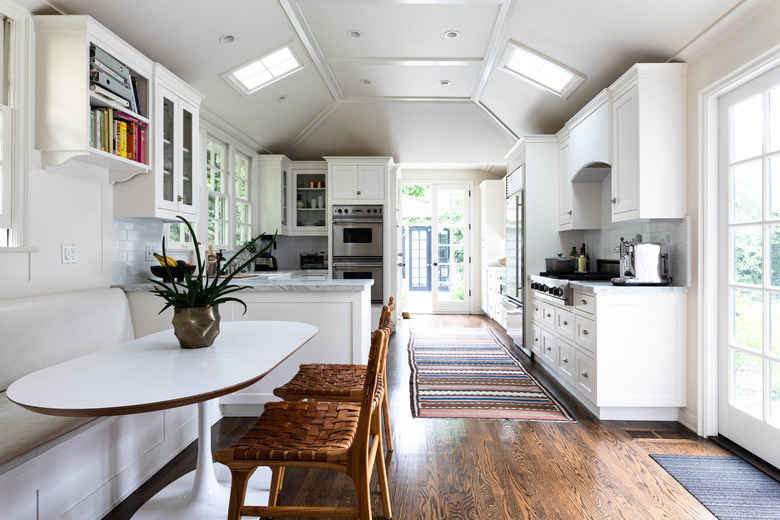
[584, 332]
[549, 315]
[583, 302]
[565, 360]
[536, 340]
[358, 192]
[613, 200]
[568, 212]
[549, 348]
[565, 322]
[584, 374]
[179, 198]
[536, 309]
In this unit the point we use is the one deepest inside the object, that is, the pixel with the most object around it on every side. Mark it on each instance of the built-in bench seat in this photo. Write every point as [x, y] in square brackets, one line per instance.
[71, 467]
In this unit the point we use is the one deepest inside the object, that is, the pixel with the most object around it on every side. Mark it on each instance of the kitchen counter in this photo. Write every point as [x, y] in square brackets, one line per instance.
[607, 287]
[278, 281]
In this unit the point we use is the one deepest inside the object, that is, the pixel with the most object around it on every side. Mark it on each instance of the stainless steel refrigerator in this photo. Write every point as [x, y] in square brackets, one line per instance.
[515, 270]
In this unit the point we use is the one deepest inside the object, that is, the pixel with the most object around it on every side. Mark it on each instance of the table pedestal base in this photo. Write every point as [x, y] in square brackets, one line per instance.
[175, 501]
[203, 494]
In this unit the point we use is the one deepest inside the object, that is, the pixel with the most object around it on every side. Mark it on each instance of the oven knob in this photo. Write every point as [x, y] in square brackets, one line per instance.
[551, 290]
[543, 288]
[558, 291]
[346, 210]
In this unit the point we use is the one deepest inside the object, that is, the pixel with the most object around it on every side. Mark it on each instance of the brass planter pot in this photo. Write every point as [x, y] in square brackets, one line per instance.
[196, 327]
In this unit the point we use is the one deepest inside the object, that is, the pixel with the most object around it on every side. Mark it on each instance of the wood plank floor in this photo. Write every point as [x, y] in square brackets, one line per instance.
[459, 469]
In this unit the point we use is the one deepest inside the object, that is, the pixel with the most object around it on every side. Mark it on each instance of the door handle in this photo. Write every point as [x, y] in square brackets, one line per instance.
[401, 264]
[435, 263]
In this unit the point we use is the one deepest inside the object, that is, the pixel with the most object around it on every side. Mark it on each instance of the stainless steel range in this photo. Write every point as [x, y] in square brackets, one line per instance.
[556, 287]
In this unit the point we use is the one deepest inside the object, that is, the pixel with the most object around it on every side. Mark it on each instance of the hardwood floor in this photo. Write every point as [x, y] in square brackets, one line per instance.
[459, 469]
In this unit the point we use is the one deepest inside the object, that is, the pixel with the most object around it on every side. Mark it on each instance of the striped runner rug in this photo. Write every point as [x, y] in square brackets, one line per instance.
[468, 373]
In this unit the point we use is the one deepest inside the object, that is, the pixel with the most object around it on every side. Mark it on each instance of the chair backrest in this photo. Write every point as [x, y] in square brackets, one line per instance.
[384, 317]
[373, 368]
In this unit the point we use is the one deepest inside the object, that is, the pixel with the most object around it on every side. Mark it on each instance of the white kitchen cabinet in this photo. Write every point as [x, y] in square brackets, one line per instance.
[308, 212]
[358, 179]
[626, 360]
[495, 281]
[64, 103]
[274, 193]
[492, 230]
[579, 204]
[589, 140]
[171, 188]
[648, 142]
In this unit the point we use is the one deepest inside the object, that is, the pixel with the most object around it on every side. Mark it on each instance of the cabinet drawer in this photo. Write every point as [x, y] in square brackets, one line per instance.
[536, 346]
[536, 310]
[585, 333]
[585, 302]
[564, 323]
[585, 375]
[548, 316]
[566, 361]
[549, 348]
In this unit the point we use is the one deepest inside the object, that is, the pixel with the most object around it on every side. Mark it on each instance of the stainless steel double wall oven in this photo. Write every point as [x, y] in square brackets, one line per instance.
[357, 245]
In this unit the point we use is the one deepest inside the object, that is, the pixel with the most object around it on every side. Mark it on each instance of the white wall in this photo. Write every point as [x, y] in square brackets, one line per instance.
[742, 45]
[70, 206]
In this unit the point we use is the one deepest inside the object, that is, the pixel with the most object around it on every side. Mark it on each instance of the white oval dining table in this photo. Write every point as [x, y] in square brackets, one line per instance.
[153, 373]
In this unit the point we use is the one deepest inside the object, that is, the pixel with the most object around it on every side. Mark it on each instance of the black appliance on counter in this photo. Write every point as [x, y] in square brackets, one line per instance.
[266, 261]
[314, 260]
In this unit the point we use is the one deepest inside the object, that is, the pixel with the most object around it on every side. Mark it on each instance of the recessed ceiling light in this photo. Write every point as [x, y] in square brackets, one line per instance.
[444, 82]
[451, 34]
[540, 71]
[282, 98]
[227, 38]
[354, 33]
[365, 81]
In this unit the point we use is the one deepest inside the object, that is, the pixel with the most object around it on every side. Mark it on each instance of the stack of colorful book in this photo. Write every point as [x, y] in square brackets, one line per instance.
[118, 133]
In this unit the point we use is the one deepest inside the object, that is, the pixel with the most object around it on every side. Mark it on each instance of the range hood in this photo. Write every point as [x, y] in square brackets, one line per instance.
[593, 173]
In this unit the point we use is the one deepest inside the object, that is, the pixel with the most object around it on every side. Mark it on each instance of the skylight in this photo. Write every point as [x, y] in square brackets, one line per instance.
[264, 70]
[540, 71]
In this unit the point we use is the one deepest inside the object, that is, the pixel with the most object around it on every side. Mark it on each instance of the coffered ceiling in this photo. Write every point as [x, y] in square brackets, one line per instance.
[383, 77]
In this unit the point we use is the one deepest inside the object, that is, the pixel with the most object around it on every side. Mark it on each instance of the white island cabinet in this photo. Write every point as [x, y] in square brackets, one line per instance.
[619, 350]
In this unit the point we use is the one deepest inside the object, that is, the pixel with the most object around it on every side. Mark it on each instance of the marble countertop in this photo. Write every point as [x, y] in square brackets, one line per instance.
[607, 287]
[278, 281]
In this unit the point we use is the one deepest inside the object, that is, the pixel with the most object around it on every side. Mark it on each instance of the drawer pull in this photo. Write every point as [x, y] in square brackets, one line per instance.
[536, 339]
[549, 315]
[584, 332]
[584, 374]
[583, 302]
[565, 322]
[565, 360]
[536, 309]
[549, 348]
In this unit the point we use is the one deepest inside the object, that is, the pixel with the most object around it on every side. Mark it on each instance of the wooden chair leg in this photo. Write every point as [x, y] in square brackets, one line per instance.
[363, 492]
[384, 491]
[277, 476]
[386, 418]
[238, 484]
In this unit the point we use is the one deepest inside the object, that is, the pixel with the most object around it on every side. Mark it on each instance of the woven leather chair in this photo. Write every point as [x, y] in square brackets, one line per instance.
[332, 435]
[339, 382]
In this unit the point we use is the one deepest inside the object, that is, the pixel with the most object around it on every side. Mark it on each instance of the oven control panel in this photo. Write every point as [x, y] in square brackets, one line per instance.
[357, 211]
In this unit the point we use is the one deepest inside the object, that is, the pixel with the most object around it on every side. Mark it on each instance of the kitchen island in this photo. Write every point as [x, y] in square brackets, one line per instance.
[340, 309]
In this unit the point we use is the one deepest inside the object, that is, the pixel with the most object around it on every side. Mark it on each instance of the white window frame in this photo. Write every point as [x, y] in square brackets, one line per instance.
[232, 148]
[236, 200]
[16, 119]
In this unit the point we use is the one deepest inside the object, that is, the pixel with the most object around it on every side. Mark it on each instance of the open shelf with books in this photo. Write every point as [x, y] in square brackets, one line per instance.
[93, 97]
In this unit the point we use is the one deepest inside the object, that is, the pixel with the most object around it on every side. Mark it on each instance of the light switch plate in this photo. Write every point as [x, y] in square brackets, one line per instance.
[68, 253]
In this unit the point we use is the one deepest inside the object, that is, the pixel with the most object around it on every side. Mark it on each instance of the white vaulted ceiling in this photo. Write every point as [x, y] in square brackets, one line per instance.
[404, 112]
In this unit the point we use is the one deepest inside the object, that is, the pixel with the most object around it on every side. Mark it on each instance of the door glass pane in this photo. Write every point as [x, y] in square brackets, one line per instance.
[774, 119]
[748, 383]
[167, 149]
[774, 323]
[747, 135]
[748, 264]
[774, 187]
[188, 186]
[774, 252]
[747, 326]
[746, 188]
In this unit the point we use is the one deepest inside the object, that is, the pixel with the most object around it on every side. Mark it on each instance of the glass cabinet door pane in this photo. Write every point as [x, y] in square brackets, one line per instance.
[187, 183]
[167, 149]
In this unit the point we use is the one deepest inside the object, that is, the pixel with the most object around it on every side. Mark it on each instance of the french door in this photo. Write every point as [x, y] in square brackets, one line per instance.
[435, 272]
[749, 266]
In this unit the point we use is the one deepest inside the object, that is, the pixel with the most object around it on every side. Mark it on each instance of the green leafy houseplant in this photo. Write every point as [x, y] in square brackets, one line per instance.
[202, 290]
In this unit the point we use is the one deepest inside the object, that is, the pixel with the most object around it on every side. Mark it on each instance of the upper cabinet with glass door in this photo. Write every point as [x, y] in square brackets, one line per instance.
[171, 188]
[309, 214]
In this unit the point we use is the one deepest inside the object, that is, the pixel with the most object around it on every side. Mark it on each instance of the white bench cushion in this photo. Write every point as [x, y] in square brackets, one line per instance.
[45, 330]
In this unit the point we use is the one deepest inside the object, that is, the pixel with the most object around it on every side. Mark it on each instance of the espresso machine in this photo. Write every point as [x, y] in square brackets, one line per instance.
[642, 263]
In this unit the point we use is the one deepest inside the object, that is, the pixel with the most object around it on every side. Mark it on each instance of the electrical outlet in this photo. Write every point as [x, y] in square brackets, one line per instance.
[149, 255]
[69, 254]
